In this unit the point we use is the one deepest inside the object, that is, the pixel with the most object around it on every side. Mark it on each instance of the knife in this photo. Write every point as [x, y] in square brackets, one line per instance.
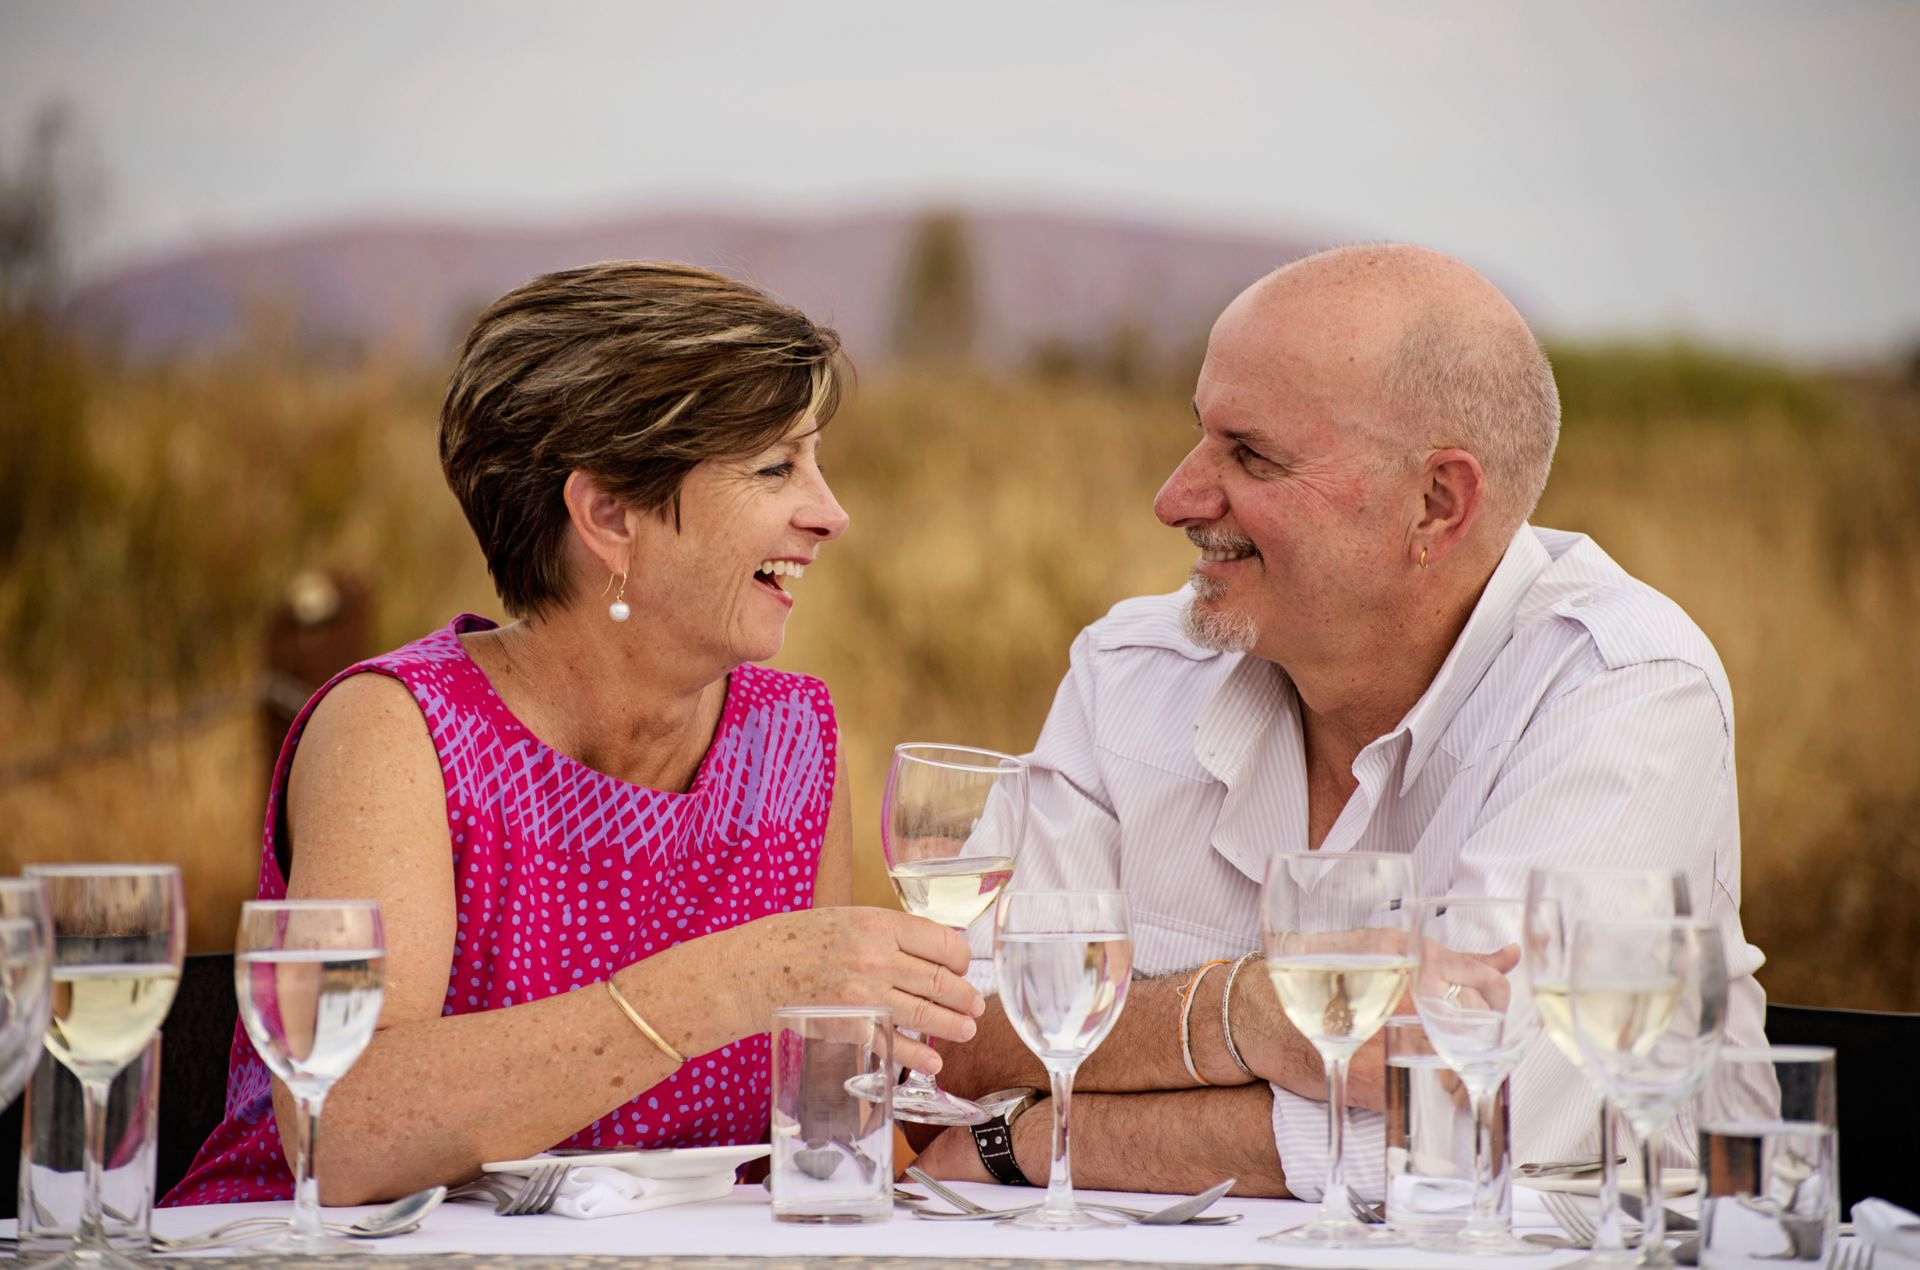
[1677, 1223]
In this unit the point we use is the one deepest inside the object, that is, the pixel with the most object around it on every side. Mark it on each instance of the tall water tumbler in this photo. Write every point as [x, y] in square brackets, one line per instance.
[1430, 1132]
[1769, 1159]
[53, 1164]
[832, 1114]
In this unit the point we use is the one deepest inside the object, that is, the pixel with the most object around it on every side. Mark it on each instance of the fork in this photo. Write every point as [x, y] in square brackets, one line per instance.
[1366, 1214]
[1853, 1256]
[972, 1211]
[537, 1193]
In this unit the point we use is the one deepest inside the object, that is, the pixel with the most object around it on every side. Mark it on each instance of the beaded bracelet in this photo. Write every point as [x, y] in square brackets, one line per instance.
[1186, 1016]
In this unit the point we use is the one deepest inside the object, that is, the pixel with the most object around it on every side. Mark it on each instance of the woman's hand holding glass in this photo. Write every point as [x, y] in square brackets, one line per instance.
[1472, 994]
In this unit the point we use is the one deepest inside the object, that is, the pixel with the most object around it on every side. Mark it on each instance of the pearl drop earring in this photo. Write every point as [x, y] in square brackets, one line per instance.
[619, 610]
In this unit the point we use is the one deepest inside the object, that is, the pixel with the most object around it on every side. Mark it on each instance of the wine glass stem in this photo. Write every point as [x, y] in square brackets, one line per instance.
[1060, 1173]
[1333, 1201]
[306, 1187]
[1489, 1159]
[1608, 1236]
[916, 1079]
[93, 1227]
[1653, 1210]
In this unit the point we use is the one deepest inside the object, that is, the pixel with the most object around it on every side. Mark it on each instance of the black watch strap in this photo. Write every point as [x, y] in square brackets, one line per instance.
[994, 1141]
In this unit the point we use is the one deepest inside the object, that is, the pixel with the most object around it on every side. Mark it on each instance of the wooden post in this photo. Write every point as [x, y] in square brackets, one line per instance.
[323, 624]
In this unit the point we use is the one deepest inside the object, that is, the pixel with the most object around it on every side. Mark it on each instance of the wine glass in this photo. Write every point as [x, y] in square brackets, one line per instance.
[1557, 901]
[26, 964]
[950, 824]
[1335, 931]
[119, 933]
[309, 975]
[1649, 1006]
[1471, 989]
[1063, 960]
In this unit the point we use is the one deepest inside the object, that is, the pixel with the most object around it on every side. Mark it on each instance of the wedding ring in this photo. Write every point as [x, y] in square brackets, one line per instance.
[1452, 996]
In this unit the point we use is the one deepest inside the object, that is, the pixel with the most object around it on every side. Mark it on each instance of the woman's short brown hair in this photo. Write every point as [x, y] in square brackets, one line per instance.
[635, 371]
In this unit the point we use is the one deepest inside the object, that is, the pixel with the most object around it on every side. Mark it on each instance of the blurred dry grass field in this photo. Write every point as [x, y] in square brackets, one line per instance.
[150, 518]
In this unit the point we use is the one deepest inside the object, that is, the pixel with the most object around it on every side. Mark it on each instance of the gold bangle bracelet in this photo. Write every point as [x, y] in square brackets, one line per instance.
[646, 1029]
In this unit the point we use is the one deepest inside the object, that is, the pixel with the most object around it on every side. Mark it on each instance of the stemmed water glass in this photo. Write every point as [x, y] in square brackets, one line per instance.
[1063, 960]
[26, 964]
[951, 820]
[1557, 901]
[309, 975]
[1649, 1006]
[1471, 989]
[119, 933]
[1335, 930]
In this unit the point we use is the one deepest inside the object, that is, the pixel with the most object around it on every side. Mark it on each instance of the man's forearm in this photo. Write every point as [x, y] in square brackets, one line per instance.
[1170, 1143]
[1143, 1051]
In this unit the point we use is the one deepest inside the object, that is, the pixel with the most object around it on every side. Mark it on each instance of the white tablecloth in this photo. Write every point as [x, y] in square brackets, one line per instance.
[742, 1225]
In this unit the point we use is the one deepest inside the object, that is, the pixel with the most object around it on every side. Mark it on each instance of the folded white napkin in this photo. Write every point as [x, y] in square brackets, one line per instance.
[602, 1191]
[1888, 1227]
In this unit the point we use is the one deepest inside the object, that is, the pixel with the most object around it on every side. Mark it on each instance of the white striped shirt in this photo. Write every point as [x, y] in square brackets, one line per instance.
[1580, 718]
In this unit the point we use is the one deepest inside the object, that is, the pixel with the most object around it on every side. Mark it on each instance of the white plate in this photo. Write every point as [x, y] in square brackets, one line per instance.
[1672, 1182]
[674, 1162]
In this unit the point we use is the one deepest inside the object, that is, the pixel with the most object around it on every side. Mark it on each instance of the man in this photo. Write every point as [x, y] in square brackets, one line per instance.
[1375, 652]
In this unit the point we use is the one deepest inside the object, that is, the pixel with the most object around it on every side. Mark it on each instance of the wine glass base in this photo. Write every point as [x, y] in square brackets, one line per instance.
[1076, 1218]
[1491, 1243]
[93, 1259]
[1338, 1234]
[935, 1106]
[289, 1243]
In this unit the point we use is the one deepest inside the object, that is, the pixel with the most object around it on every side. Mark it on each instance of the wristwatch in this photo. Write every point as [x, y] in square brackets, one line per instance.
[994, 1139]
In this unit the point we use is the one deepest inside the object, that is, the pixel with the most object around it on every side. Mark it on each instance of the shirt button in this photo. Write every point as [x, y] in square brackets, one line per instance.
[1581, 601]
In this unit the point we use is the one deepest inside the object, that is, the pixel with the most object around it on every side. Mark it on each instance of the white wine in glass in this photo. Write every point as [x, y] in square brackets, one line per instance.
[119, 934]
[309, 975]
[1557, 901]
[1335, 930]
[951, 821]
[1063, 961]
[1649, 1005]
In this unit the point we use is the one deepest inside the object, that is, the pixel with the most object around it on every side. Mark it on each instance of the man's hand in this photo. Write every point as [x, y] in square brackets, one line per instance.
[953, 1156]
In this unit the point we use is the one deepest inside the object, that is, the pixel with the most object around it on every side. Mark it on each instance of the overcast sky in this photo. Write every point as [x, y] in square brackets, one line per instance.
[1746, 171]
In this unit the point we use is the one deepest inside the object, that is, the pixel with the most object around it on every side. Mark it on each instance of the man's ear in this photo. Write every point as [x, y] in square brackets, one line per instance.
[600, 521]
[1453, 489]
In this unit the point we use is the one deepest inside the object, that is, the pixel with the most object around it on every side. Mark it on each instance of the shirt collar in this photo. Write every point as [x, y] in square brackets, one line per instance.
[1481, 640]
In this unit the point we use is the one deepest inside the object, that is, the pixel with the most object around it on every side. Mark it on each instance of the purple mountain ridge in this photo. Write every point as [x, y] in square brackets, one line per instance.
[1038, 279]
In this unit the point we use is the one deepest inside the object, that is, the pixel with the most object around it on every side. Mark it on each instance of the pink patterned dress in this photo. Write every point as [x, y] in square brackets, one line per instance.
[565, 875]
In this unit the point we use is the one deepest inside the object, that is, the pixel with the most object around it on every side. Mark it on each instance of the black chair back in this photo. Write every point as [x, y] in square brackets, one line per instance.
[193, 1078]
[1879, 1115]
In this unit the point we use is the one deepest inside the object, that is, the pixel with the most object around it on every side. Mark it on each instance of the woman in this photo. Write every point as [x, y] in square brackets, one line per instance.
[606, 791]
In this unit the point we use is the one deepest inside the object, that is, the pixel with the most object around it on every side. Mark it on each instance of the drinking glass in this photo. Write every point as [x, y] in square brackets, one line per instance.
[1557, 901]
[1649, 1006]
[26, 964]
[1431, 1135]
[950, 824]
[1770, 1184]
[309, 975]
[1470, 987]
[119, 933]
[1063, 960]
[832, 1069]
[1335, 930]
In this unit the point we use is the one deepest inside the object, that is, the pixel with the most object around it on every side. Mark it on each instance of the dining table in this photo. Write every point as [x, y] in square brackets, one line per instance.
[737, 1232]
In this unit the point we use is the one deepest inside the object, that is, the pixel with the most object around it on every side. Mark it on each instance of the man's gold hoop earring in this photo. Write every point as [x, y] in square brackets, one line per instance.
[1423, 560]
[619, 610]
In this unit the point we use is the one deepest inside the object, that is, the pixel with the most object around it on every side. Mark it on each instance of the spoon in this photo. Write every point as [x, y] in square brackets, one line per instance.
[397, 1218]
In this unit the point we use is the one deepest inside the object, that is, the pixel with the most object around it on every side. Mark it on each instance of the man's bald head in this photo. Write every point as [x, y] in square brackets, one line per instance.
[1431, 355]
